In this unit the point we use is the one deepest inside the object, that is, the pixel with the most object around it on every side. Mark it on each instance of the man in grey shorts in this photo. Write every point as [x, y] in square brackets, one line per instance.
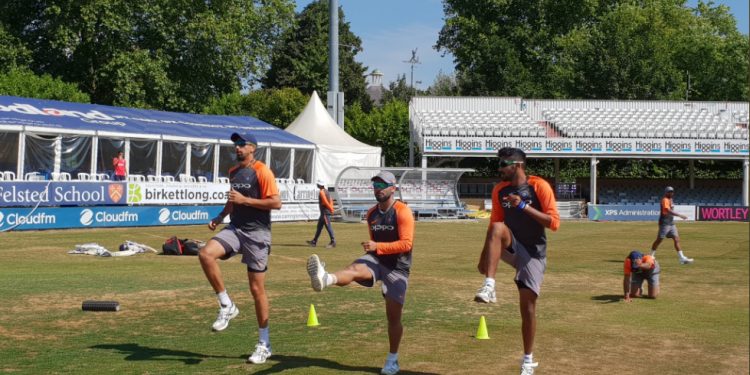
[522, 208]
[667, 228]
[637, 269]
[387, 259]
[253, 194]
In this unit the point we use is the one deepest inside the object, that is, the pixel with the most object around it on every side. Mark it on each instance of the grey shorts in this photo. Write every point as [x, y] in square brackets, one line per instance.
[254, 246]
[637, 279]
[529, 271]
[668, 231]
[394, 282]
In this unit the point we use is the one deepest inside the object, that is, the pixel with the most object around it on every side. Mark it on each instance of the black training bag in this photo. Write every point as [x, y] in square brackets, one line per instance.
[172, 246]
[176, 246]
[192, 247]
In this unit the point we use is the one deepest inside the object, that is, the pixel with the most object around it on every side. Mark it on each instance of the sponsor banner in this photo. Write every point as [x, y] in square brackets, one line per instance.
[94, 217]
[603, 146]
[61, 193]
[611, 212]
[292, 211]
[99, 217]
[166, 193]
[723, 213]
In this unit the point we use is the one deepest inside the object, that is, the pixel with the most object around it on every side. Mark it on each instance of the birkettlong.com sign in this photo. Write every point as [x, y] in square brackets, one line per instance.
[604, 146]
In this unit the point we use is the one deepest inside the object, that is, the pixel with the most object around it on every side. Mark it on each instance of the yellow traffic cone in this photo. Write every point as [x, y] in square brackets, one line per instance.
[482, 330]
[312, 318]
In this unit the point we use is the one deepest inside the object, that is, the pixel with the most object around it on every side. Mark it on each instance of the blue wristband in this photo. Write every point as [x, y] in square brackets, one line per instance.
[521, 206]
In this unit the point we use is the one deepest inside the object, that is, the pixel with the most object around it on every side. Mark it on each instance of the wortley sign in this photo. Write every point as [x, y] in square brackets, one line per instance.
[722, 213]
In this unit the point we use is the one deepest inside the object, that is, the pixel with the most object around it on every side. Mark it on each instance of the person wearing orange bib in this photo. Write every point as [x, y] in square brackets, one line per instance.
[326, 211]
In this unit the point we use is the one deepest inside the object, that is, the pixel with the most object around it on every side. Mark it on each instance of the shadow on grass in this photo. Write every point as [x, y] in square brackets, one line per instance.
[285, 362]
[136, 352]
[293, 245]
[613, 260]
[608, 298]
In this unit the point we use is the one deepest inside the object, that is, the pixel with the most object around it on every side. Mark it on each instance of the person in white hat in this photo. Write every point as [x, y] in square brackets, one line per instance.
[667, 227]
[326, 211]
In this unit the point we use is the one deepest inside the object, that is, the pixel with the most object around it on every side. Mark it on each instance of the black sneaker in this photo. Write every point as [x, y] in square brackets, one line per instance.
[312, 243]
[331, 245]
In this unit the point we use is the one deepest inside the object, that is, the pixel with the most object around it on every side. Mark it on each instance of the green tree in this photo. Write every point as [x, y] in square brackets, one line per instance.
[301, 60]
[506, 47]
[166, 54]
[278, 107]
[399, 90]
[444, 85]
[13, 54]
[596, 49]
[23, 82]
[386, 126]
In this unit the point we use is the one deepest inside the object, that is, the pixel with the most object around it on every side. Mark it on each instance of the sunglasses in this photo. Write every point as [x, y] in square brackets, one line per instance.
[381, 185]
[505, 163]
[240, 143]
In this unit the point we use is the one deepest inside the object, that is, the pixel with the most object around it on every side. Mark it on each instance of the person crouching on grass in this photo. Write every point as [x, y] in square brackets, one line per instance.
[639, 267]
[387, 259]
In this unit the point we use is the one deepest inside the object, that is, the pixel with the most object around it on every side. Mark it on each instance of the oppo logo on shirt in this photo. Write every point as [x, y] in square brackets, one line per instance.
[381, 227]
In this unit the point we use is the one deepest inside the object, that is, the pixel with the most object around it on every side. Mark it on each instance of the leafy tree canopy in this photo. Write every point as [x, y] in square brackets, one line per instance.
[301, 60]
[165, 54]
[596, 49]
[23, 82]
[278, 107]
[386, 126]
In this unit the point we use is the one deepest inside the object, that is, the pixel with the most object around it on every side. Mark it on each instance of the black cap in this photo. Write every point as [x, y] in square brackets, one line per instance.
[247, 137]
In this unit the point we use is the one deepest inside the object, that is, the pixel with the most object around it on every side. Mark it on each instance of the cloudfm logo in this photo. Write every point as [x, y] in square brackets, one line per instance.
[87, 217]
[164, 215]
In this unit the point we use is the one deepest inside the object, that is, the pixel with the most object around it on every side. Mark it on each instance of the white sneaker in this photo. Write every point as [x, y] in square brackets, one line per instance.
[486, 294]
[317, 273]
[390, 368]
[686, 260]
[261, 353]
[527, 368]
[225, 315]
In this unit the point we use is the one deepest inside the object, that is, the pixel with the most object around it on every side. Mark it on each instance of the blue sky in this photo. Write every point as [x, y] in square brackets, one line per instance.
[391, 29]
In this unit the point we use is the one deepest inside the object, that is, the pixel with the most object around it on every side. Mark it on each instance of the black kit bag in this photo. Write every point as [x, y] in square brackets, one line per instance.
[192, 247]
[172, 246]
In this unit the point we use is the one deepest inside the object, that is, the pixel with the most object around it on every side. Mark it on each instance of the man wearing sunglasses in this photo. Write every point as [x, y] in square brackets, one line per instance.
[522, 207]
[387, 259]
[253, 194]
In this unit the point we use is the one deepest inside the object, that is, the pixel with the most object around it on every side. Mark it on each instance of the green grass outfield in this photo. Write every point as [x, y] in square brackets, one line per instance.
[699, 324]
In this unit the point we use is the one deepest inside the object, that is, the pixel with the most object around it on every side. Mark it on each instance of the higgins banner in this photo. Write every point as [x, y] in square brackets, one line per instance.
[723, 213]
[53, 193]
[611, 212]
[588, 146]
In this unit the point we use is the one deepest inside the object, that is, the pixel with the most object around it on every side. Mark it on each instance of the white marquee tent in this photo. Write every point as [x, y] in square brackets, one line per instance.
[336, 149]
